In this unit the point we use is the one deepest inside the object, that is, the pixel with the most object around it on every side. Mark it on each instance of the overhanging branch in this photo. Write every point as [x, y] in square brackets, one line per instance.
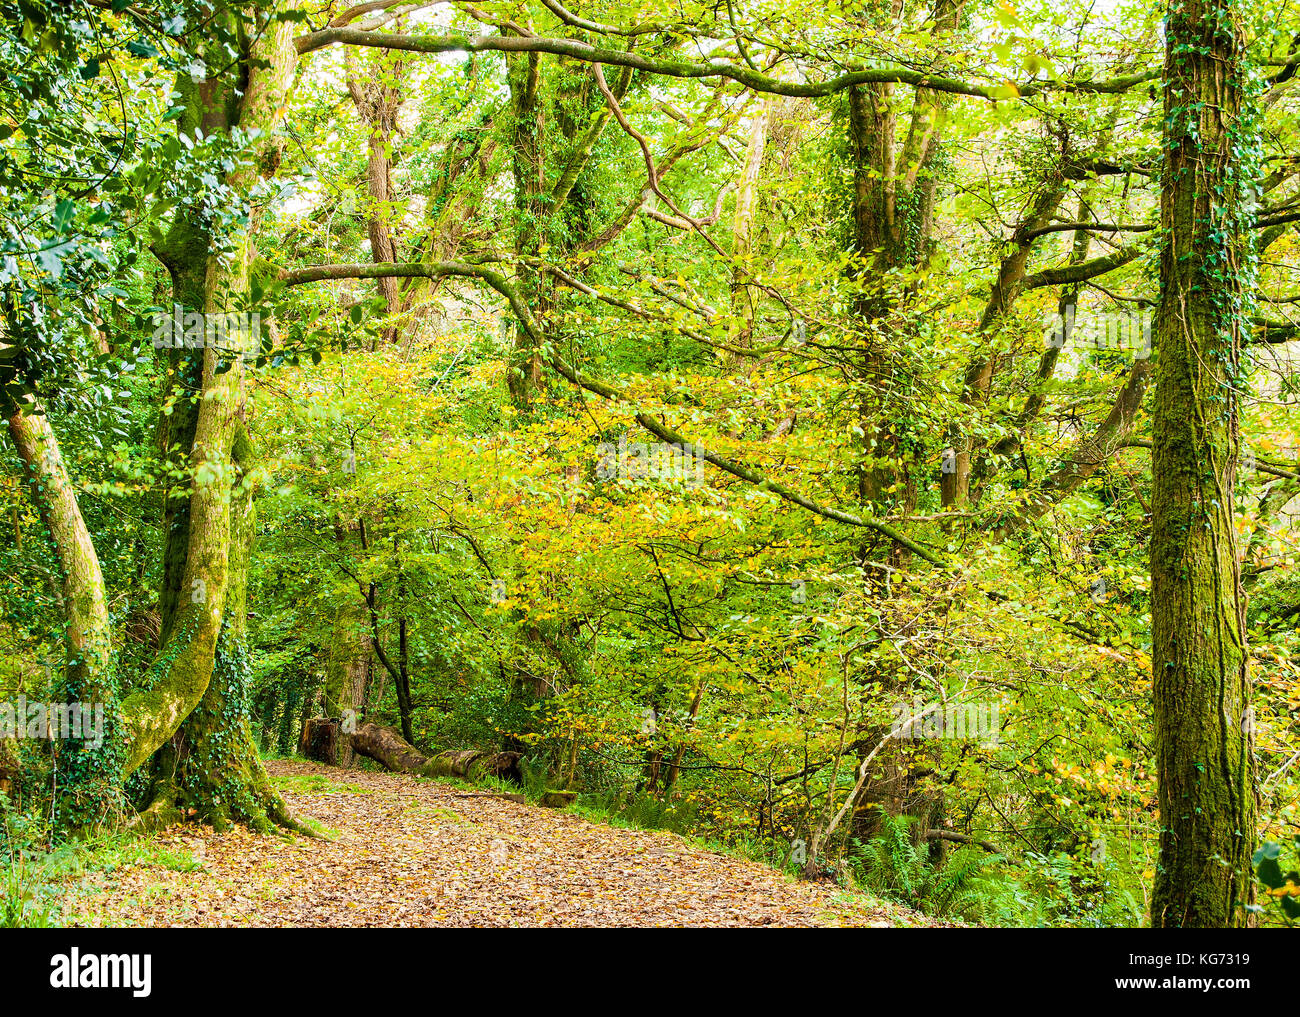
[498, 282]
[575, 49]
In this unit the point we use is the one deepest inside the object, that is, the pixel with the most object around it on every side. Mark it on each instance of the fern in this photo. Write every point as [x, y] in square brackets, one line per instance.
[894, 866]
[959, 887]
[891, 864]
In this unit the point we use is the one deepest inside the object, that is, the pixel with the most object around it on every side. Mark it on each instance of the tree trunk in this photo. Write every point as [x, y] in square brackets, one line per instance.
[211, 765]
[955, 478]
[386, 746]
[378, 98]
[744, 297]
[1203, 720]
[524, 78]
[320, 740]
[348, 670]
[198, 707]
[90, 777]
[893, 220]
[1087, 456]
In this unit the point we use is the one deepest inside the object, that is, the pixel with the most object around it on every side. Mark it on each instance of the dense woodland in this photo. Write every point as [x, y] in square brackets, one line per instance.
[862, 436]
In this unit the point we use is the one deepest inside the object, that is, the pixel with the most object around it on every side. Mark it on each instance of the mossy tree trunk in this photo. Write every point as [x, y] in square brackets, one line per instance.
[553, 127]
[386, 746]
[89, 774]
[956, 475]
[744, 297]
[196, 710]
[523, 74]
[211, 765]
[893, 217]
[377, 94]
[1203, 727]
[893, 201]
[348, 671]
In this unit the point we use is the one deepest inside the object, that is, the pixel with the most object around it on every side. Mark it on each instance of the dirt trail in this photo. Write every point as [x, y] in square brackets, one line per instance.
[413, 852]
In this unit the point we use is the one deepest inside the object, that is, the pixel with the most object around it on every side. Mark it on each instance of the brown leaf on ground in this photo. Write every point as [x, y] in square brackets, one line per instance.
[412, 852]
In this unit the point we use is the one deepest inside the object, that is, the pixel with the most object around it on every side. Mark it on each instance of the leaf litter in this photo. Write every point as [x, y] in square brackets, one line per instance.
[408, 852]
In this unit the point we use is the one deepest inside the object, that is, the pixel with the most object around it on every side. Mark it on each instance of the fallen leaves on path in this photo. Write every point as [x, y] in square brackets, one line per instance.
[413, 852]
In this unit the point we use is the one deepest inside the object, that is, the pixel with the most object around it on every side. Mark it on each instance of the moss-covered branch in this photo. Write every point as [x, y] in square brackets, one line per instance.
[752, 79]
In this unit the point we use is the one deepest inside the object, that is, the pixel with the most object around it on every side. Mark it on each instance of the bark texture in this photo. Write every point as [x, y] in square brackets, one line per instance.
[196, 708]
[90, 776]
[1204, 732]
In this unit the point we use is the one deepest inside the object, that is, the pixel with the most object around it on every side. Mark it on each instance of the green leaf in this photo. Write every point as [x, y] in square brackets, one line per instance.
[1270, 874]
[64, 212]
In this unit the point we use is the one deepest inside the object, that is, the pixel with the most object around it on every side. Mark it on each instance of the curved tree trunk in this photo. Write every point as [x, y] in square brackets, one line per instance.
[211, 765]
[1087, 456]
[90, 775]
[955, 479]
[197, 706]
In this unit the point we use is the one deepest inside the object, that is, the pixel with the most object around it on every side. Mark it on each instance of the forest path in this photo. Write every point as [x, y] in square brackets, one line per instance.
[412, 852]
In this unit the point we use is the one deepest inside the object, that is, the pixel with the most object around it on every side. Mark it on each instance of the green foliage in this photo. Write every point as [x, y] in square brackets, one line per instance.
[692, 651]
[1055, 889]
[1275, 887]
[892, 865]
[26, 894]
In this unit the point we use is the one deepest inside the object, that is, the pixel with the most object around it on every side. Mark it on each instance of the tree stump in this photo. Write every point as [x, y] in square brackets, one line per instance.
[320, 740]
[9, 766]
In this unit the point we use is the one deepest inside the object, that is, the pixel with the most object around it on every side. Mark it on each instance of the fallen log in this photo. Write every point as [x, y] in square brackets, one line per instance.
[961, 838]
[388, 748]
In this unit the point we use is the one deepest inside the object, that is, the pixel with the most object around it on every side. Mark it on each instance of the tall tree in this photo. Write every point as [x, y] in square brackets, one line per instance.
[196, 709]
[1203, 717]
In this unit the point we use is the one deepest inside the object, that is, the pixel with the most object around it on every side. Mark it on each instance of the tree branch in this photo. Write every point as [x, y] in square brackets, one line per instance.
[743, 75]
[498, 282]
